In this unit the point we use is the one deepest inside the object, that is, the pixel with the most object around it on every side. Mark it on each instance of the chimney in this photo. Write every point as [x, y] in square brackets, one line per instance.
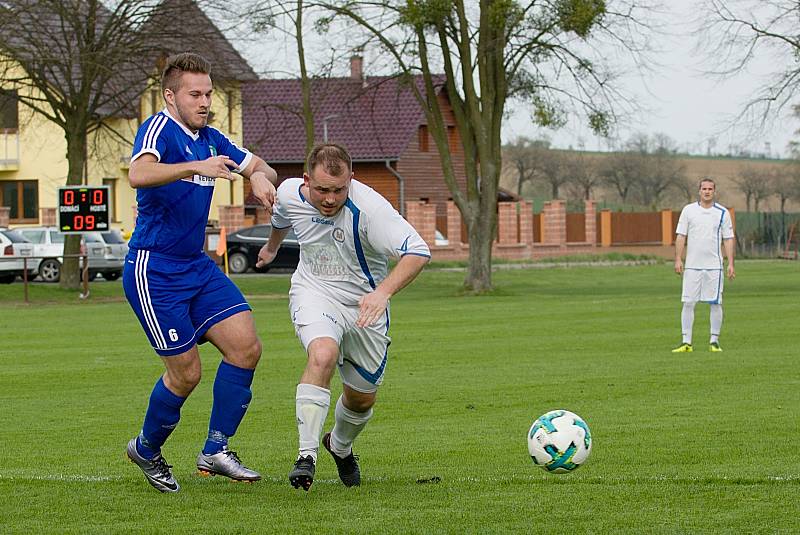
[357, 68]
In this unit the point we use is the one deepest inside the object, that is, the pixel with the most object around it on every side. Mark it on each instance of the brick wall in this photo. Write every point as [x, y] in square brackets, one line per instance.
[231, 217]
[555, 222]
[422, 217]
[47, 217]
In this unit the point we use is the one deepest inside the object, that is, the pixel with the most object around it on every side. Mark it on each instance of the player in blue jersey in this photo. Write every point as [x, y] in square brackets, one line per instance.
[178, 293]
[339, 299]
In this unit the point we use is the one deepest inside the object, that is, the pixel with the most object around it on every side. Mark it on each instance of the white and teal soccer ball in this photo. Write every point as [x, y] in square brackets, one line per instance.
[559, 441]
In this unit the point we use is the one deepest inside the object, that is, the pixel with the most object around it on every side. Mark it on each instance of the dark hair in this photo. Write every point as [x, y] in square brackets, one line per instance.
[707, 179]
[178, 64]
[333, 158]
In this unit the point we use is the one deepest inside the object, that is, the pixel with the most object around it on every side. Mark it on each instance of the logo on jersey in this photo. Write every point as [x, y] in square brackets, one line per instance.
[338, 235]
[404, 248]
[321, 221]
[187, 149]
[213, 150]
[201, 180]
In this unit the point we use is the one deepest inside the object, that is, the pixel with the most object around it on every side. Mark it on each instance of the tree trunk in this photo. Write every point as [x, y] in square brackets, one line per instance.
[305, 81]
[480, 232]
[76, 159]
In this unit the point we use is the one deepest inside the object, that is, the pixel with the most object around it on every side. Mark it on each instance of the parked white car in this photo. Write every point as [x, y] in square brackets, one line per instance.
[13, 250]
[48, 245]
[115, 248]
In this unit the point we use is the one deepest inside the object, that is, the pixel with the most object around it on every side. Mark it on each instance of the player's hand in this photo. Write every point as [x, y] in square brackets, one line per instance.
[263, 190]
[217, 167]
[678, 266]
[265, 256]
[372, 306]
[731, 272]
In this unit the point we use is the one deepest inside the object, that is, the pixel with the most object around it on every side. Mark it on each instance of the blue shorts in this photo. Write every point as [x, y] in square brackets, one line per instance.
[178, 300]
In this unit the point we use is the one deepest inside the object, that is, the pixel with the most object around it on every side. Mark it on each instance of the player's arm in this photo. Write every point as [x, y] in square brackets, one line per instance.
[730, 246]
[373, 304]
[680, 246]
[270, 249]
[146, 171]
[262, 181]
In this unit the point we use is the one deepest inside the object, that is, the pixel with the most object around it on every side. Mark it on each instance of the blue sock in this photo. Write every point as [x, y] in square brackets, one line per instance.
[163, 414]
[231, 397]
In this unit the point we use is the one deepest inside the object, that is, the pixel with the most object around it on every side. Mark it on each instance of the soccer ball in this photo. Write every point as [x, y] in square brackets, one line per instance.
[559, 441]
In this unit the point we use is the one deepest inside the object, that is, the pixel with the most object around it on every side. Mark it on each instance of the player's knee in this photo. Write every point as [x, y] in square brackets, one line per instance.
[183, 381]
[359, 401]
[253, 352]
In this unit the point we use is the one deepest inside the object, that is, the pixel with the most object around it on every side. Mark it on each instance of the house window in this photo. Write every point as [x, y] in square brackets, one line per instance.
[112, 198]
[9, 116]
[452, 139]
[423, 138]
[22, 197]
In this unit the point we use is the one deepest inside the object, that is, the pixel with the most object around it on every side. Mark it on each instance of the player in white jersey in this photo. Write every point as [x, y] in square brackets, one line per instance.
[339, 298]
[704, 225]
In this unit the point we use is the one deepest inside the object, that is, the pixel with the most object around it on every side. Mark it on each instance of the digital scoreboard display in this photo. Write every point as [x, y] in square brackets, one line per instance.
[83, 209]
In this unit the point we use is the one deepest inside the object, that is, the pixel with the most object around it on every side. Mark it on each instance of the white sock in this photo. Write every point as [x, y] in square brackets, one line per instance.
[687, 321]
[716, 322]
[311, 409]
[347, 427]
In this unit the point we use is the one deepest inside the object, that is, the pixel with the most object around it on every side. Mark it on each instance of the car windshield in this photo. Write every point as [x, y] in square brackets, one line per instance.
[92, 237]
[112, 237]
[15, 236]
[56, 237]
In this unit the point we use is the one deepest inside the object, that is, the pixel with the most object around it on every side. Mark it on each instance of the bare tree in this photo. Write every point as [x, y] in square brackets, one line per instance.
[786, 184]
[621, 171]
[584, 175]
[737, 33]
[662, 170]
[490, 51]
[755, 185]
[523, 156]
[554, 170]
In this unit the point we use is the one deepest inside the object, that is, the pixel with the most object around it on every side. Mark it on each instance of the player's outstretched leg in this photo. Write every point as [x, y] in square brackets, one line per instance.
[156, 470]
[347, 466]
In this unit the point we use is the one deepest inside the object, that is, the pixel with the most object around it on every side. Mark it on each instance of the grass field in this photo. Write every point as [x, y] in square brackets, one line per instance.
[688, 443]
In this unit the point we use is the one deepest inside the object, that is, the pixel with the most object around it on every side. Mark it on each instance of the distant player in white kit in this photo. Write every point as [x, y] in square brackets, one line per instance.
[339, 298]
[704, 225]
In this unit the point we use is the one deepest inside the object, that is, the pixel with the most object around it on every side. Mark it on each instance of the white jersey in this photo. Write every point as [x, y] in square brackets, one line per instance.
[704, 229]
[345, 256]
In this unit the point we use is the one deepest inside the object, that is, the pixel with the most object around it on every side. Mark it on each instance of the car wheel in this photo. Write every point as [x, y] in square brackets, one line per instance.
[7, 279]
[50, 270]
[111, 275]
[237, 263]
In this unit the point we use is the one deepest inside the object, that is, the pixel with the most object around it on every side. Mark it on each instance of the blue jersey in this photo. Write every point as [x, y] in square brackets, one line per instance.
[172, 218]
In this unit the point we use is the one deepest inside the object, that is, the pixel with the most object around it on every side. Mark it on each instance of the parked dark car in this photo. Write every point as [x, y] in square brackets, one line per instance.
[244, 244]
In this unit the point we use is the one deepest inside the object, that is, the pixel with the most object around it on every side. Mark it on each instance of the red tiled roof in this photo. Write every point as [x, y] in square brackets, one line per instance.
[375, 119]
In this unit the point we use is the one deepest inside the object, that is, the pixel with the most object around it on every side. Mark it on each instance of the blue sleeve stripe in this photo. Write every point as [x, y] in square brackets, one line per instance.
[416, 254]
[362, 260]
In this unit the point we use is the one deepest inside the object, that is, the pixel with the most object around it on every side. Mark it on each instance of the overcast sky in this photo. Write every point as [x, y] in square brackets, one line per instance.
[691, 108]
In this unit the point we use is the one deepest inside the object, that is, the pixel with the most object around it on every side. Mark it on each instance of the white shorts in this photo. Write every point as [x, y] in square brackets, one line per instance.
[704, 285]
[362, 350]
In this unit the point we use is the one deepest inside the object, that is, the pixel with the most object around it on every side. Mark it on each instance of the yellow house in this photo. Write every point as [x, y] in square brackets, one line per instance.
[33, 162]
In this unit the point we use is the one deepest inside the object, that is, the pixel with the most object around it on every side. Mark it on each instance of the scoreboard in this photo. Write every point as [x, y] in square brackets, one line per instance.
[83, 209]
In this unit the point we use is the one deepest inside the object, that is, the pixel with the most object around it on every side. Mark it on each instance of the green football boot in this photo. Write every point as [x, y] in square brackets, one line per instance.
[714, 347]
[683, 348]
